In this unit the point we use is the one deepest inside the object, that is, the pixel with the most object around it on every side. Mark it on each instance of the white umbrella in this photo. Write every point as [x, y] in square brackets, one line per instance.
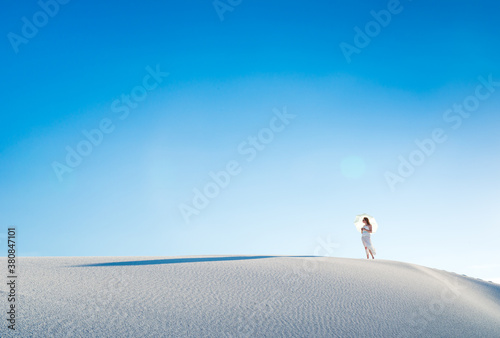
[358, 222]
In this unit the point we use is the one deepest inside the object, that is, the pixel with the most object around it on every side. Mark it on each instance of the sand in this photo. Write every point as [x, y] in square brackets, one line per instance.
[246, 296]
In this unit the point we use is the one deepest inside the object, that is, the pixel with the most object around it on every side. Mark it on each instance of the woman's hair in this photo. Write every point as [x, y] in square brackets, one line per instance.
[367, 220]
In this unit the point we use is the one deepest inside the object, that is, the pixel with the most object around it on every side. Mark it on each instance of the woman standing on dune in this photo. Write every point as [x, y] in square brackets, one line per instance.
[366, 230]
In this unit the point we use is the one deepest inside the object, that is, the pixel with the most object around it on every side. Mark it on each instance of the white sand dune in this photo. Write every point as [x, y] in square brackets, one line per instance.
[247, 296]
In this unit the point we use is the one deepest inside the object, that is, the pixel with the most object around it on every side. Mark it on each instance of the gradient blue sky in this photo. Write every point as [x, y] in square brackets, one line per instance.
[353, 121]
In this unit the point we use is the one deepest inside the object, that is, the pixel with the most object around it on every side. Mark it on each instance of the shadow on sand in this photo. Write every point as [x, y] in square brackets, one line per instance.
[182, 260]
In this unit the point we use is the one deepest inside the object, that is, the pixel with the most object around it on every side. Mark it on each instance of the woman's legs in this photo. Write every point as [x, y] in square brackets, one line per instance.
[367, 243]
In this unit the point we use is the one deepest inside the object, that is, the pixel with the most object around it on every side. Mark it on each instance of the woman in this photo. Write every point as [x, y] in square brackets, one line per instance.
[366, 230]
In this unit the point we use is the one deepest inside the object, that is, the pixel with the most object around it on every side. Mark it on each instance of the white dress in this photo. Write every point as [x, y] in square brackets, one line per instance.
[365, 238]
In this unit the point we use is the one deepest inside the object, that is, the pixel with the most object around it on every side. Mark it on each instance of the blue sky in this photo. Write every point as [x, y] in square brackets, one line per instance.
[227, 79]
